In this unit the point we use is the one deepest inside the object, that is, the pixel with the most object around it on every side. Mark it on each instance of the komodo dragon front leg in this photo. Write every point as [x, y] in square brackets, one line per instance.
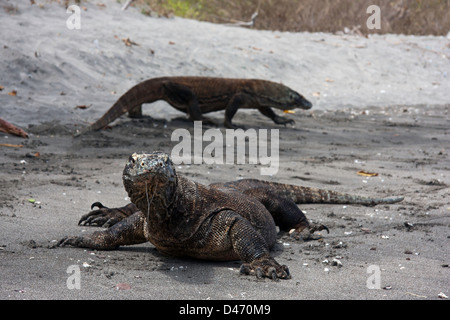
[243, 100]
[106, 217]
[128, 231]
[229, 236]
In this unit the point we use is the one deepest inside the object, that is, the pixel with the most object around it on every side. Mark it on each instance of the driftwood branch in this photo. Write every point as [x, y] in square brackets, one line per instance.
[127, 4]
[250, 23]
[7, 127]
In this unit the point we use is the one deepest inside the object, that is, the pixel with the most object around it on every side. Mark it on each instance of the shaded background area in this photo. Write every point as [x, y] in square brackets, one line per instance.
[419, 17]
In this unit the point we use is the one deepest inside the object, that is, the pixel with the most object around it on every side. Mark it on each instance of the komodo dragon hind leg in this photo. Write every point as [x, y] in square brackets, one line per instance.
[135, 113]
[287, 214]
[106, 217]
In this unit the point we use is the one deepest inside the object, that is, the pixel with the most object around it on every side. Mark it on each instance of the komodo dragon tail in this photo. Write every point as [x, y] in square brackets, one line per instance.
[300, 194]
[144, 92]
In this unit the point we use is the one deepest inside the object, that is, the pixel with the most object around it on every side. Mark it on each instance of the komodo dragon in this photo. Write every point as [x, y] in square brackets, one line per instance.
[199, 95]
[222, 221]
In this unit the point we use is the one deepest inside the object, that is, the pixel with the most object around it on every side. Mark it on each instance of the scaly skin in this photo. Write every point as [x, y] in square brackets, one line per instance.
[222, 221]
[199, 95]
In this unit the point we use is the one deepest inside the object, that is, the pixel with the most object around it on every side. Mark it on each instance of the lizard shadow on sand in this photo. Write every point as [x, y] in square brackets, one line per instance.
[212, 121]
[186, 269]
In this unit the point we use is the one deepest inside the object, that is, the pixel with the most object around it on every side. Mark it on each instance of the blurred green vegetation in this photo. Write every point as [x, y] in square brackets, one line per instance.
[419, 17]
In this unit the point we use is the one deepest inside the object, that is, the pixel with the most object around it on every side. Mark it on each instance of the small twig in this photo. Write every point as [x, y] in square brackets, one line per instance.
[250, 23]
[416, 295]
[126, 5]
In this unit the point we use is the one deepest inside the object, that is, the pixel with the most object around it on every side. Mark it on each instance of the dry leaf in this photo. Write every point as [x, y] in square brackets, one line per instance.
[13, 93]
[367, 174]
[82, 107]
[1, 88]
[171, 42]
[289, 111]
[329, 80]
[316, 94]
[129, 43]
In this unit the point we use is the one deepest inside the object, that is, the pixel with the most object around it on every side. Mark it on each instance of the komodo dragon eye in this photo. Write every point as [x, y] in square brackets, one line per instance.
[294, 96]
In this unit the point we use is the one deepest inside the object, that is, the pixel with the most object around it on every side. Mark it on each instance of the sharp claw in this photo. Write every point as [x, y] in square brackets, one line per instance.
[259, 273]
[64, 241]
[245, 269]
[97, 204]
[286, 270]
[274, 276]
[319, 228]
[61, 242]
[322, 227]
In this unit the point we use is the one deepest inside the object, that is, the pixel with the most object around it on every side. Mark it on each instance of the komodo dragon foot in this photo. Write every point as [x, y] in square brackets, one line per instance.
[266, 267]
[307, 234]
[106, 217]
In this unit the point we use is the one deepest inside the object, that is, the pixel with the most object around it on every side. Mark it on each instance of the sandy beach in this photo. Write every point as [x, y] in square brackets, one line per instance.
[380, 105]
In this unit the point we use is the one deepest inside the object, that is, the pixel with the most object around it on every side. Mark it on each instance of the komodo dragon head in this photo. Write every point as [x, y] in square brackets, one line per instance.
[150, 181]
[279, 96]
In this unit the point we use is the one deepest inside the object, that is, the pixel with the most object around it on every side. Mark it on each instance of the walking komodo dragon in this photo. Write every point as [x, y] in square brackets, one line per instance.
[222, 221]
[196, 96]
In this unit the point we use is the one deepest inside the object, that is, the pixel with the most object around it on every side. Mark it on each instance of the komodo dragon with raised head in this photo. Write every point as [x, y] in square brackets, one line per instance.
[222, 221]
[199, 95]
